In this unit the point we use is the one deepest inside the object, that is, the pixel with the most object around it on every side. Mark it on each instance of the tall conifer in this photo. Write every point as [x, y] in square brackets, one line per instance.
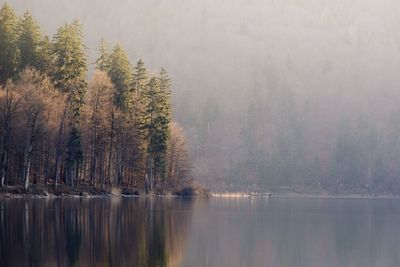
[29, 40]
[9, 52]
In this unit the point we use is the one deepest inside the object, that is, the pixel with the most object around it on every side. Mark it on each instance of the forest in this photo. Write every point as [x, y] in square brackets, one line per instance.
[211, 133]
[62, 126]
[303, 103]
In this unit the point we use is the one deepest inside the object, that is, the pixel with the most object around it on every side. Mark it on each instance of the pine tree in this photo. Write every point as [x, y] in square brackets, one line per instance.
[69, 76]
[9, 52]
[137, 99]
[103, 61]
[44, 56]
[138, 117]
[29, 40]
[164, 119]
[74, 156]
[159, 112]
[69, 73]
[120, 71]
[69, 56]
[139, 79]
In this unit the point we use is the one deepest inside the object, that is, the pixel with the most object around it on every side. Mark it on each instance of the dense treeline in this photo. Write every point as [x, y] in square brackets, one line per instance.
[57, 128]
[287, 142]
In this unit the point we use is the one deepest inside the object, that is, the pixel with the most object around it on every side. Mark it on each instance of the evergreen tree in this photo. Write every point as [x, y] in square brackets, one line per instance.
[74, 156]
[137, 100]
[69, 56]
[163, 119]
[29, 40]
[120, 71]
[69, 73]
[44, 56]
[159, 112]
[103, 61]
[139, 79]
[69, 76]
[138, 117]
[9, 52]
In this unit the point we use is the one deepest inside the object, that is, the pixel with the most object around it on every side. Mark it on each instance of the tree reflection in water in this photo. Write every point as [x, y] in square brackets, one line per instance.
[94, 232]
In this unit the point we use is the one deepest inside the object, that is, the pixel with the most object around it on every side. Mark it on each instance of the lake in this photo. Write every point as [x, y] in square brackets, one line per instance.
[218, 232]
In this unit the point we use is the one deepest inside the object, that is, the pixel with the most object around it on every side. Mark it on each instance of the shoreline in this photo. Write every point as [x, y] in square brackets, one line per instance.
[110, 193]
[295, 195]
[17, 192]
[52, 196]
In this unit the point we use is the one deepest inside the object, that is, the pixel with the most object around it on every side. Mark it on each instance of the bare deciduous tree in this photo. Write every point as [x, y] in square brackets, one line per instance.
[99, 103]
[178, 161]
[9, 108]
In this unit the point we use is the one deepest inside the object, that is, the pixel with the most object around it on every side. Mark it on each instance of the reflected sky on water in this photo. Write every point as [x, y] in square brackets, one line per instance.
[219, 232]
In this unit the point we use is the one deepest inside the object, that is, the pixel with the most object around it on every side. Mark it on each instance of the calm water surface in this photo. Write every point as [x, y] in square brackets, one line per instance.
[220, 232]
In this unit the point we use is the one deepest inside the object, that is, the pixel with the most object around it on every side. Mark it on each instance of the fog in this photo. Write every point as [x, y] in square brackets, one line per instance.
[273, 95]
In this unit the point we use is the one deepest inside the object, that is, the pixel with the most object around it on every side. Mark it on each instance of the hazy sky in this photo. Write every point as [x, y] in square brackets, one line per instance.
[232, 46]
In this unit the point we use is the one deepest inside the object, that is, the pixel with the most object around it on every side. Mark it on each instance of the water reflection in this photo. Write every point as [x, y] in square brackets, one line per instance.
[161, 232]
[93, 232]
[296, 232]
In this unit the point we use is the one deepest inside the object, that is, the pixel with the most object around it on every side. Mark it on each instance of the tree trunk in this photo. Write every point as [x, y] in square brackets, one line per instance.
[28, 165]
[93, 170]
[6, 141]
[150, 173]
[110, 149]
[4, 167]
[58, 148]
[101, 173]
[28, 151]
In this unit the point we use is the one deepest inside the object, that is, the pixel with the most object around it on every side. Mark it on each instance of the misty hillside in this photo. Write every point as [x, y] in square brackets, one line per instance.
[273, 95]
